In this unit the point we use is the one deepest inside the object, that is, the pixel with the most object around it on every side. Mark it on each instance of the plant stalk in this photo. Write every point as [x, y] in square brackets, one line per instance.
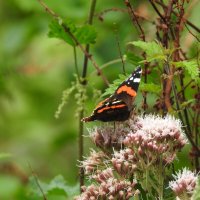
[84, 83]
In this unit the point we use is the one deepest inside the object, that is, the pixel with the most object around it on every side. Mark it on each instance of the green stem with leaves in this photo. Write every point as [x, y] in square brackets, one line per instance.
[84, 83]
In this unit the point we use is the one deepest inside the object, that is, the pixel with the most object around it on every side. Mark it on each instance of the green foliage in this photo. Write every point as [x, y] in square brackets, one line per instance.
[85, 34]
[191, 67]
[153, 50]
[112, 87]
[144, 87]
[57, 187]
[31, 83]
[132, 58]
[5, 155]
[11, 188]
[79, 95]
[187, 103]
[196, 195]
[150, 87]
[65, 96]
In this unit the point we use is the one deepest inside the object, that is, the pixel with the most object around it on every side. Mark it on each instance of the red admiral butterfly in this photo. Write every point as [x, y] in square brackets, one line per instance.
[119, 105]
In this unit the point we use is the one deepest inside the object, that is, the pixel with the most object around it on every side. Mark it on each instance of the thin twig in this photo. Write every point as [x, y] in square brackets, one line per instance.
[37, 182]
[76, 64]
[187, 21]
[142, 36]
[191, 32]
[157, 11]
[120, 52]
[102, 13]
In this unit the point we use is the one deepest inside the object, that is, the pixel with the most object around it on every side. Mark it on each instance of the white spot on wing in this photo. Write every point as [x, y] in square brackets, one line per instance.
[136, 80]
[116, 102]
[131, 78]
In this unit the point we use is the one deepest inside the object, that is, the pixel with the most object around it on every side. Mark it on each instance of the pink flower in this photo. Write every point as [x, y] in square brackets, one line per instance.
[93, 161]
[185, 182]
[108, 187]
[153, 136]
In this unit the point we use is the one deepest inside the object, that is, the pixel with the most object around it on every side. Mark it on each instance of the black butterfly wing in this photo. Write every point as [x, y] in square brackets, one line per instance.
[119, 105]
[127, 91]
[109, 110]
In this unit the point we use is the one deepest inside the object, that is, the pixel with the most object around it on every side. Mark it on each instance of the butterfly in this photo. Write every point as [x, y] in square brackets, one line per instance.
[118, 106]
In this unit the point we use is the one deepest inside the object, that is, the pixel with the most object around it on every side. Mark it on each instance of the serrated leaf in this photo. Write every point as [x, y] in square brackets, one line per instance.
[153, 50]
[150, 87]
[112, 87]
[192, 68]
[132, 58]
[85, 34]
[56, 31]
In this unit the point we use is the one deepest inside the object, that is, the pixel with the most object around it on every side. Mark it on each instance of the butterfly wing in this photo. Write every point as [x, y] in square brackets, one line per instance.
[127, 91]
[109, 111]
[119, 105]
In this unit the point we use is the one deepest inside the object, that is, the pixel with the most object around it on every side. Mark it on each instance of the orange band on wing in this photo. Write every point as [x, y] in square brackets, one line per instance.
[111, 107]
[101, 103]
[128, 90]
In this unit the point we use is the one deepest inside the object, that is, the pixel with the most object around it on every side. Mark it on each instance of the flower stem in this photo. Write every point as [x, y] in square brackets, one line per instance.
[160, 180]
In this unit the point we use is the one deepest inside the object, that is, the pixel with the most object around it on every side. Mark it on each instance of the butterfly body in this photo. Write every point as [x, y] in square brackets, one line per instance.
[119, 105]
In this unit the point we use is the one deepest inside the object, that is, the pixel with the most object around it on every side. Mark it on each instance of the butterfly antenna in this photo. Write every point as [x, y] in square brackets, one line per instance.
[119, 49]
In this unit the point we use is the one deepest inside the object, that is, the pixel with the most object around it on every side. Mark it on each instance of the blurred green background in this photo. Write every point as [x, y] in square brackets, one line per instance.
[35, 69]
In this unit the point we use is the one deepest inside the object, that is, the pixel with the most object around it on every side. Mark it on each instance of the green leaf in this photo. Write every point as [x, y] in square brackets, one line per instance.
[191, 67]
[57, 31]
[150, 87]
[153, 50]
[132, 58]
[58, 183]
[57, 186]
[112, 87]
[85, 34]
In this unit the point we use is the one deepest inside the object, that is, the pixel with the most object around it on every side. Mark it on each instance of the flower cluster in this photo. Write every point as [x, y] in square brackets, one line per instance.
[93, 161]
[124, 162]
[108, 187]
[109, 137]
[184, 183]
[139, 148]
[154, 137]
